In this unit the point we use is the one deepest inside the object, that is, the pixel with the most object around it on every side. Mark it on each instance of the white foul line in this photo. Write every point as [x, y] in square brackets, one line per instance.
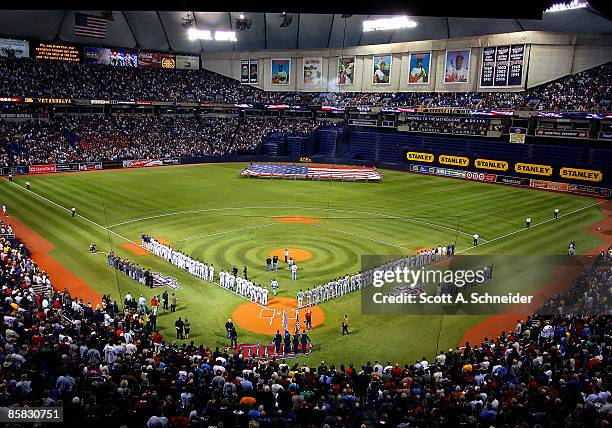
[535, 225]
[224, 232]
[123, 237]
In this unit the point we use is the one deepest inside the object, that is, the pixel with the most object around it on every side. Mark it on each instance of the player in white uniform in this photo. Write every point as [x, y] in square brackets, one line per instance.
[274, 285]
[259, 295]
[211, 273]
[264, 296]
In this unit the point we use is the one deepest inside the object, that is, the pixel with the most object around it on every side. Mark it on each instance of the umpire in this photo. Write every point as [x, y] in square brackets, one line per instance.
[345, 325]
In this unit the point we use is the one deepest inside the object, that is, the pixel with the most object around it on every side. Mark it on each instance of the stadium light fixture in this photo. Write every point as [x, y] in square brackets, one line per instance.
[394, 23]
[225, 36]
[561, 7]
[219, 36]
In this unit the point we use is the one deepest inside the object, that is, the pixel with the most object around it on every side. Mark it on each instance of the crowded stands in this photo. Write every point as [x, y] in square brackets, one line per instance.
[103, 364]
[77, 138]
[590, 90]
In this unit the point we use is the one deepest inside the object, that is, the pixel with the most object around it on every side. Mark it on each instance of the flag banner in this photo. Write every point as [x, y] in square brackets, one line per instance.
[90, 26]
[339, 172]
[297, 322]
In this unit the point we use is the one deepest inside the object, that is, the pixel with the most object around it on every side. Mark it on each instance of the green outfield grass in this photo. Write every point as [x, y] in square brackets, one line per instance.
[208, 212]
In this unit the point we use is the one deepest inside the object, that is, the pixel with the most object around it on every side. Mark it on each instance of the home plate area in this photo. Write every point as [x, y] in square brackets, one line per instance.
[268, 319]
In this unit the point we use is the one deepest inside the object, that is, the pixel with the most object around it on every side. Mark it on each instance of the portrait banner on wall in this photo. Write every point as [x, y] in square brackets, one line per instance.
[281, 71]
[346, 70]
[418, 68]
[313, 71]
[381, 69]
[253, 71]
[457, 66]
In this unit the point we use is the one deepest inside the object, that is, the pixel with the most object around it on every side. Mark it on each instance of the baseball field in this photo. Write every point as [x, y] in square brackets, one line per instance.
[210, 213]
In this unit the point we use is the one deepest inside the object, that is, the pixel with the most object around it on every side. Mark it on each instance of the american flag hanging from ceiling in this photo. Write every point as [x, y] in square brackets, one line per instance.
[90, 26]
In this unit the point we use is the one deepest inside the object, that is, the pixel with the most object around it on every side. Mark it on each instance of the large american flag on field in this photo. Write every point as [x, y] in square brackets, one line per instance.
[335, 172]
[90, 26]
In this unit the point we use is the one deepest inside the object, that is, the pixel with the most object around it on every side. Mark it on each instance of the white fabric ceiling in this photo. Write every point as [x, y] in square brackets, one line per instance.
[165, 31]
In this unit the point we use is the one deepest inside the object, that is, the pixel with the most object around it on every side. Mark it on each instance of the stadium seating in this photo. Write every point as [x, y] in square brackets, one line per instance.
[590, 90]
[106, 365]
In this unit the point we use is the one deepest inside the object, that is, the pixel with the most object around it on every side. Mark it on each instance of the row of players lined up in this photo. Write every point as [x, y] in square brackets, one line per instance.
[258, 294]
[342, 286]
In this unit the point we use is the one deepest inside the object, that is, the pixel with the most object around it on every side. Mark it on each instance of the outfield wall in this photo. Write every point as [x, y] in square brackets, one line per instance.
[542, 183]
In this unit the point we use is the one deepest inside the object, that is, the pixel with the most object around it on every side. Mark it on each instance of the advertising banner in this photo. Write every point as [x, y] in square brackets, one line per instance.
[509, 180]
[481, 176]
[589, 190]
[90, 166]
[533, 169]
[457, 68]
[312, 71]
[14, 48]
[491, 164]
[603, 135]
[453, 160]
[16, 170]
[513, 181]
[421, 157]
[281, 71]
[64, 167]
[381, 69]
[171, 161]
[187, 62]
[549, 185]
[572, 133]
[518, 135]
[418, 68]
[156, 60]
[581, 174]
[346, 70]
[141, 163]
[42, 169]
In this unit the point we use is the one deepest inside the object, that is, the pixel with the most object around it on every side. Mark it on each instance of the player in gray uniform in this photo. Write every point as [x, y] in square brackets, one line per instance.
[308, 297]
[300, 299]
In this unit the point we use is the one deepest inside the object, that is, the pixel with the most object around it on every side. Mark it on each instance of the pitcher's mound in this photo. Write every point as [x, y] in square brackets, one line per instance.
[266, 320]
[134, 249]
[297, 254]
[162, 240]
[296, 219]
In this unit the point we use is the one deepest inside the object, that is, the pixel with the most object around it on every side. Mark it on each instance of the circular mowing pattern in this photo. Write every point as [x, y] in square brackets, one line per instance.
[297, 254]
[256, 319]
